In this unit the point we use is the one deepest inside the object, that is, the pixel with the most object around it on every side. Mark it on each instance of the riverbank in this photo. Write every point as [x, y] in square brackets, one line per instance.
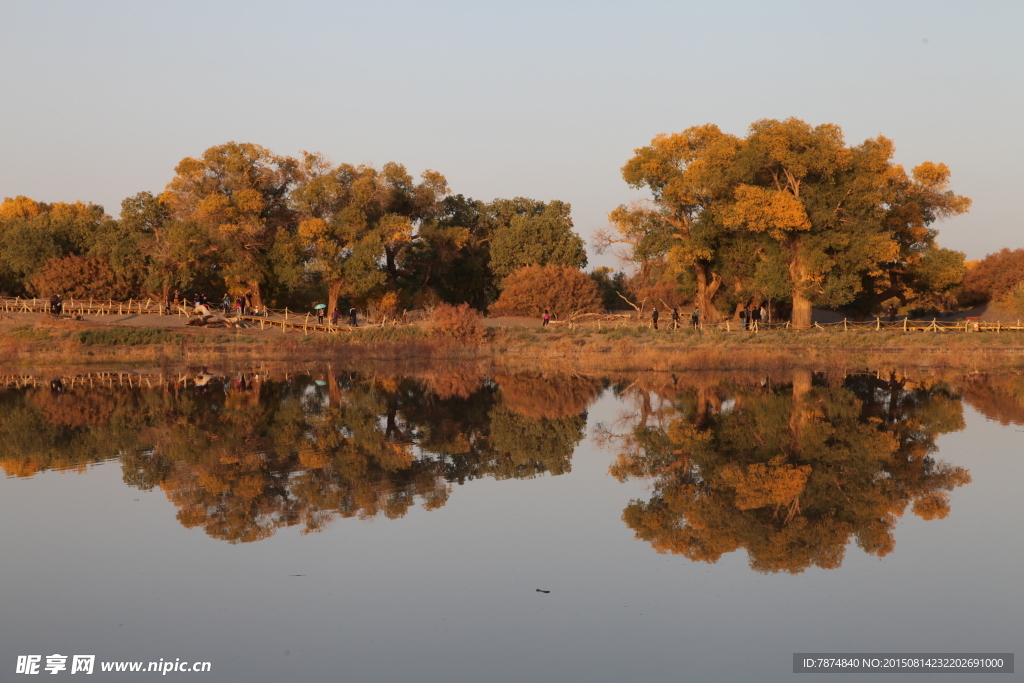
[40, 340]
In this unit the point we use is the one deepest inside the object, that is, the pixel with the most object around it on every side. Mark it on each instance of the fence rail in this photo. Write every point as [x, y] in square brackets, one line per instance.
[286, 319]
[283, 318]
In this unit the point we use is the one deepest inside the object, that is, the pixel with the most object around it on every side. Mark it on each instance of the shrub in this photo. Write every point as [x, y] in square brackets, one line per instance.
[563, 290]
[79, 277]
[384, 308]
[993, 277]
[1015, 299]
[460, 323]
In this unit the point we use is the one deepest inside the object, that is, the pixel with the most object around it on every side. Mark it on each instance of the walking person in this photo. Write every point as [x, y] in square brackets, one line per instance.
[675, 318]
[743, 317]
[546, 318]
[227, 304]
[319, 315]
[695, 318]
[654, 317]
[352, 317]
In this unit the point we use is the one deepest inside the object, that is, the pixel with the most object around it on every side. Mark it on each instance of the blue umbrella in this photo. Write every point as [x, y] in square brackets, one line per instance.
[318, 306]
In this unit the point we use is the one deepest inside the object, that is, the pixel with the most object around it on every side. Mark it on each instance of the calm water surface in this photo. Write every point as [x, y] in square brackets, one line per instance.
[331, 526]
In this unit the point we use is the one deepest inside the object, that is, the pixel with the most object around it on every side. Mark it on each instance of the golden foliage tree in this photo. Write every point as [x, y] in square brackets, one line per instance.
[357, 222]
[239, 193]
[790, 210]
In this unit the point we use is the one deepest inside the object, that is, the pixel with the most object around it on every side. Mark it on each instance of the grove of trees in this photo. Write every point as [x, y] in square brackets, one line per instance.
[789, 216]
[243, 220]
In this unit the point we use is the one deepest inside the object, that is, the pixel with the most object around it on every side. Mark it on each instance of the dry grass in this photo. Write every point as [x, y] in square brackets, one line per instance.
[583, 349]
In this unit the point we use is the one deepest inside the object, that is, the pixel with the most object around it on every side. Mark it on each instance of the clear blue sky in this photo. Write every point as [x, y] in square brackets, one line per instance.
[538, 99]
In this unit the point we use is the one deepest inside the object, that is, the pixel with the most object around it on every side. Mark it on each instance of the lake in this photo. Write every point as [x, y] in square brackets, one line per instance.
[364, 525]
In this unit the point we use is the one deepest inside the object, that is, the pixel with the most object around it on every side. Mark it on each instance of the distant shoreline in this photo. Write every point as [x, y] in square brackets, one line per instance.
[37, 340]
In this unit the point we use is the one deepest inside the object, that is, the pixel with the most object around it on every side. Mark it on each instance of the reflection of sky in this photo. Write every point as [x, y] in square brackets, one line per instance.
[450, 595]
[540, 99]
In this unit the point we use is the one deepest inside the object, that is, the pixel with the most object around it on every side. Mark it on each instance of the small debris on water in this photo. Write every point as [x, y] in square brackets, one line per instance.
[539, 590]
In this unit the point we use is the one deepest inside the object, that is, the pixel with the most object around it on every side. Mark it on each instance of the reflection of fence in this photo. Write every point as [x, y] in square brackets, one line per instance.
[97, 379]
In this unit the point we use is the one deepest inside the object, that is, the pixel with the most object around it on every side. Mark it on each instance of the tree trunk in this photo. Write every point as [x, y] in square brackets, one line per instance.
[255, 297]
[802, 315]
[333, 294]
[390, 262]
[707, 286]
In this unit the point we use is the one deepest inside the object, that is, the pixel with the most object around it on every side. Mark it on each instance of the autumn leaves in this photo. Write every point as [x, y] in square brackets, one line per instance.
[789, 213]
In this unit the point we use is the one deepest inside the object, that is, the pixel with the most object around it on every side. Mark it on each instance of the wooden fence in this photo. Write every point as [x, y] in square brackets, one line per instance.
[286, 319]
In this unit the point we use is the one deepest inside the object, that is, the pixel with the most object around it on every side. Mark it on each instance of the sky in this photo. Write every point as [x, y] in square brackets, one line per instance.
[537, 99]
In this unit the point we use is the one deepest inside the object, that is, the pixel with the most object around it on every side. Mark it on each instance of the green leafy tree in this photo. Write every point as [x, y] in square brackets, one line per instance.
[534, 233]
[450, 257]
[610, 286]
[843, 218]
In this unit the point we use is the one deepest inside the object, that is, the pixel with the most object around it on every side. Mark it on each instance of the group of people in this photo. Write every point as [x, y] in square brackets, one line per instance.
[321, 314]
[56, 304]
[676, 318]
[242, 305]
[238, 305]
[749, 315]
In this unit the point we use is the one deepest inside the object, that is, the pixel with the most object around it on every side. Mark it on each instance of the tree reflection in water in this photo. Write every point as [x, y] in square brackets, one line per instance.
[789, 469]
[244, 456]
[790, 472]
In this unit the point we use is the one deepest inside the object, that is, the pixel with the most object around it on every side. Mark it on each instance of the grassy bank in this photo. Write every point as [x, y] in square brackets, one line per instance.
[584, 349]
